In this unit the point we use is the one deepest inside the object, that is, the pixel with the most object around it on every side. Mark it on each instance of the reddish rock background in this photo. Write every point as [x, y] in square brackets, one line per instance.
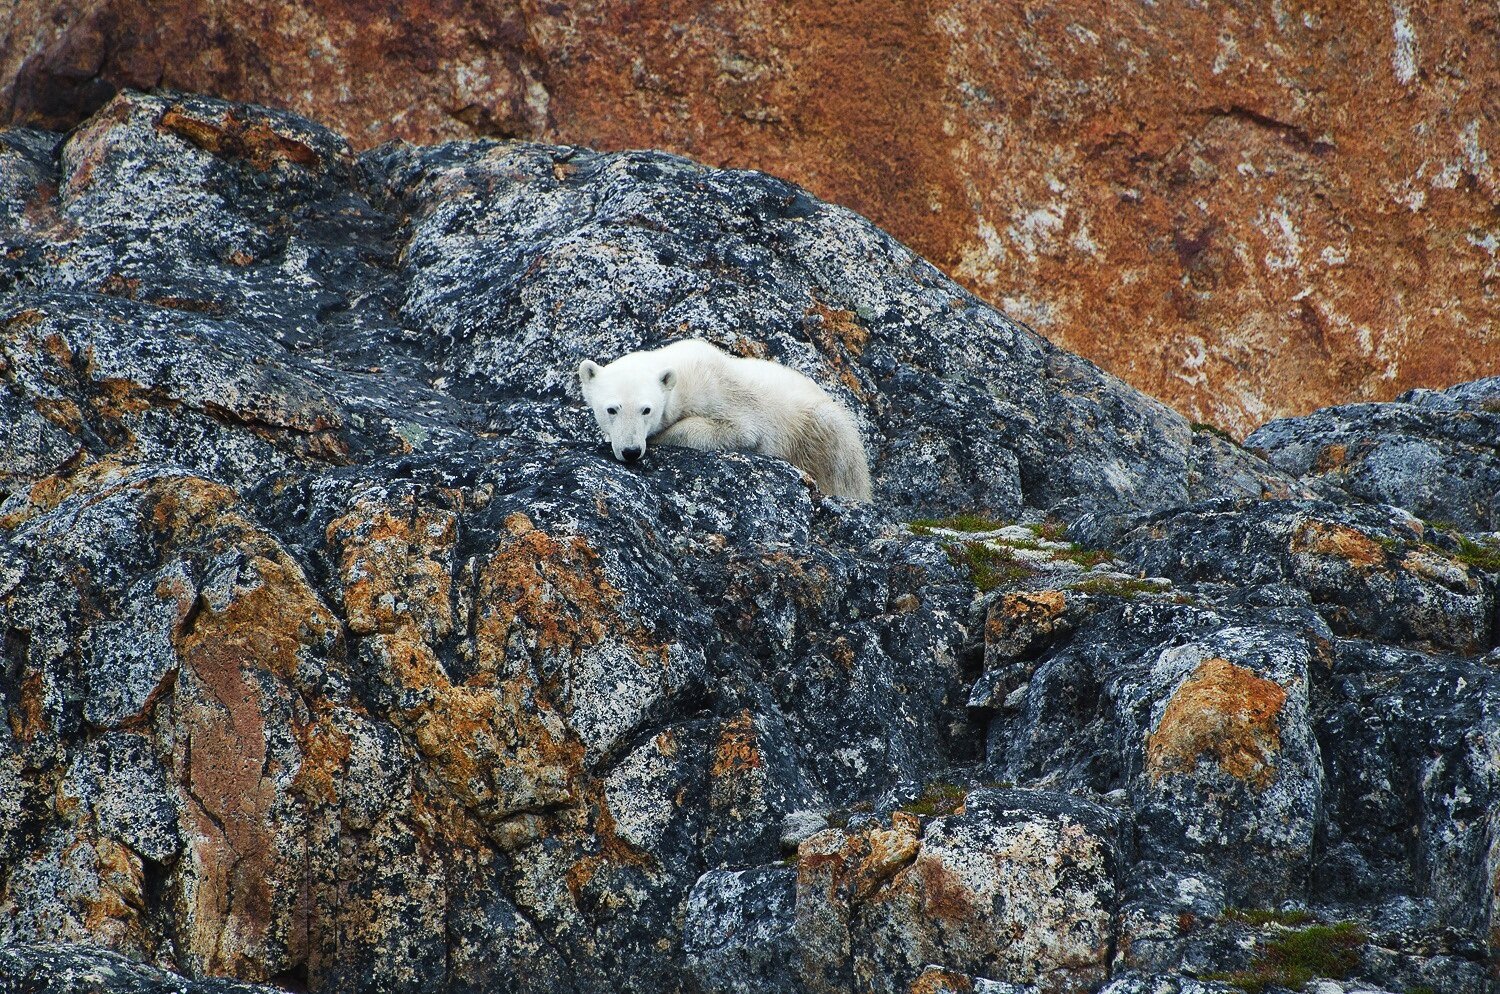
[1248, 209]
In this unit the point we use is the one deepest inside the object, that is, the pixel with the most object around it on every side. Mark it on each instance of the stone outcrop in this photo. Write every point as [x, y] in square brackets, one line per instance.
[336, 653]
[1247, 211]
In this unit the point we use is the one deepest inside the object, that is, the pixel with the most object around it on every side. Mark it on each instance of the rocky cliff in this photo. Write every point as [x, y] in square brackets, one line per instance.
[339, 655]
[1245, 209]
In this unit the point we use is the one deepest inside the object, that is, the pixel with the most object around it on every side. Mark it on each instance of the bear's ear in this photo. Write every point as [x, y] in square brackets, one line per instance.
[668, 379]
[587, 370]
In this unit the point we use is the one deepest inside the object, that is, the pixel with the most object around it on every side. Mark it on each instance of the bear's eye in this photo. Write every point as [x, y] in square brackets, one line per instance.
[612, 410]
[645, 410]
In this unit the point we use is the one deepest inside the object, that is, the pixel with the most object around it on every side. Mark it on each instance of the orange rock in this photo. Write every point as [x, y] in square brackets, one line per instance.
[1323, 538]
[1246, 213]
[1224, 711]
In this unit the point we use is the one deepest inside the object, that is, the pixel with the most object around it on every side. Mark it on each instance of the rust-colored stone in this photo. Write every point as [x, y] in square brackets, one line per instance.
[29, 718]
[1247, 212]
[1019, 623]
[935, 980]
[262, 147]
[1322, 538]
[1331, 458]
[736, 751]
[1224, 711]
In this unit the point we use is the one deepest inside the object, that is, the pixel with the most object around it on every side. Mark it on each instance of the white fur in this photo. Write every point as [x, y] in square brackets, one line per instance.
[690, 393]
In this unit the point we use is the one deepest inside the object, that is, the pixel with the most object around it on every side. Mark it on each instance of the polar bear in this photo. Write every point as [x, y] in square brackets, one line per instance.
[692, 394]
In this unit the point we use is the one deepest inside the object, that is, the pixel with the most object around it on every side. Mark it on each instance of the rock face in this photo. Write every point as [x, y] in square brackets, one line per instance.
[1247, 211]
[338, 654]
[1436, 453]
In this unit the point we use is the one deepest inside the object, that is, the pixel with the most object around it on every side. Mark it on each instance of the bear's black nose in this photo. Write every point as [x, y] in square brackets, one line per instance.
[630, 455]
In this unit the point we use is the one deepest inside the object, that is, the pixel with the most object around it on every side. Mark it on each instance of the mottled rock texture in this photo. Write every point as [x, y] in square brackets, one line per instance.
[1247, 209]
[337, 654]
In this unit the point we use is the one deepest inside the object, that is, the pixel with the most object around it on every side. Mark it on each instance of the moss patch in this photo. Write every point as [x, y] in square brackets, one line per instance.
[1105, 586]
[958, 523]
[1202, 426]
[989, 566]
[1294, 959]
[1260, 917]
[937, 799]
[1481, 556]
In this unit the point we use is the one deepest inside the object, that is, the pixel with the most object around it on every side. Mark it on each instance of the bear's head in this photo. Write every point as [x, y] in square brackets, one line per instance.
[629, 400]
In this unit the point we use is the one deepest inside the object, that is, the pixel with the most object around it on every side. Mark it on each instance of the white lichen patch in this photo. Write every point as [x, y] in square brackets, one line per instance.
[1404, 55]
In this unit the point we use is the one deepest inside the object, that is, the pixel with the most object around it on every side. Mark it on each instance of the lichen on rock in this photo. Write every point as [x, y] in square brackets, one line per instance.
[335, 653]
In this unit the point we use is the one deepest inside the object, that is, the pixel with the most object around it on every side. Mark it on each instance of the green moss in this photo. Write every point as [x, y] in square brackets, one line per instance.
[1085, 557]
[1421, 989]
[1481, 556]
[1052, 531]
[1293, 959]
[958, 523]
[988, 565]
[1266, 916]
[937, 799]
[1105, 586]
[1200, 426]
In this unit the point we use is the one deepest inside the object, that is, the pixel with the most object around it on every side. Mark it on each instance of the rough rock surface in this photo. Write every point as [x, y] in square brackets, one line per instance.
[338, 654]
[1435, 453]
[1248, 210]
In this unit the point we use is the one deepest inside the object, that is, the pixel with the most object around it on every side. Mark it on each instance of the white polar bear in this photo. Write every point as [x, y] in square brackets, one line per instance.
[692, 394]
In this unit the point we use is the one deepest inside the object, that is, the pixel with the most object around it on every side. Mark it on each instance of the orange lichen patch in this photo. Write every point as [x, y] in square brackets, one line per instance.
[262, 147]
[613, 851]
[58, 348]
[736, 750]
[25, 318]
[944, 894]
[29, 718]
[1325, 538]
[325, 758]
[61, 411]
[1224, 711]
[550, 588]
[497, 748]
[1017, 622]
[838, 327]
[395, 565]
[115, 397]
[115, 285]
[935, 980]
[885, 852]
[185, 505]
[837, 332]
[495, 742]
[264, 623]
[746, 347]
[1331, 458]
[1431, 564]
[192, 304]
[50, 491]
[118, 903]
[855, 867]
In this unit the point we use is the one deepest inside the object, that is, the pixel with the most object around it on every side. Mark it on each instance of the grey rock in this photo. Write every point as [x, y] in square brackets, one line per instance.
[336, 652]
[798, 826]
[83, 969]
[1434, 453]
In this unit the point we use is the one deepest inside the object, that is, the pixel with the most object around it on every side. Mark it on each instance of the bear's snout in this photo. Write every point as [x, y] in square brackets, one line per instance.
[631, 454]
